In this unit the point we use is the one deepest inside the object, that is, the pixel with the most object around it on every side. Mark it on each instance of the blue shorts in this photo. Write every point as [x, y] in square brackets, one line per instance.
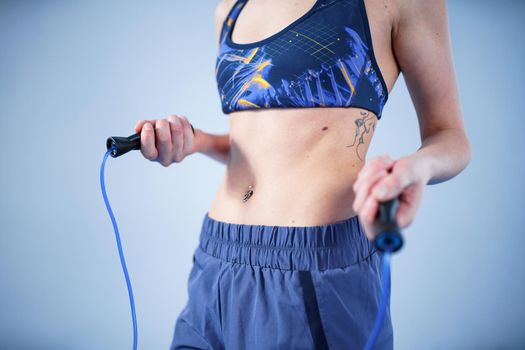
[282, 287]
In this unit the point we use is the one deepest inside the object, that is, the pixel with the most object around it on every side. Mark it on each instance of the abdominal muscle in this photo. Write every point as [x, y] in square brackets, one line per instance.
[300, 162]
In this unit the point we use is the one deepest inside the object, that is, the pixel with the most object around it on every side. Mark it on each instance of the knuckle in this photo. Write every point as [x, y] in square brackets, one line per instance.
[148, 154]
[162, 135]
[382, 161]
[383, 181]
[404, 177]
[395, 181]
[187, 125]
[379, 176]
[185, 120]
[173, 119]
[176, 127]
[377, 161]
[375, 167]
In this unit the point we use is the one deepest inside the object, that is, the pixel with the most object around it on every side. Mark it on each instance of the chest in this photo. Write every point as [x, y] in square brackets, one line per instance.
[311, 53]
[261, 19]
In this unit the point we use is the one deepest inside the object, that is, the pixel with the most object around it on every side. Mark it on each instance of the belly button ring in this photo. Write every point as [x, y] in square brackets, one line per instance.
[248, 194]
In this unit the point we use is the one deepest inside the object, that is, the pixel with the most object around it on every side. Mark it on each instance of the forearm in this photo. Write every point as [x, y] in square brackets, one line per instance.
[442, 155]
[214, 146]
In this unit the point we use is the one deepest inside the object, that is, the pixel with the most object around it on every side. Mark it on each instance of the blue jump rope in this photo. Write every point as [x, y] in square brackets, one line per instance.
[388, 239]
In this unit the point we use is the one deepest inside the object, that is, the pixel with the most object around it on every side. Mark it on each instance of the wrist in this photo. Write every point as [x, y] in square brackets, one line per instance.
[422, 169]
[201, 141]
[212, 145]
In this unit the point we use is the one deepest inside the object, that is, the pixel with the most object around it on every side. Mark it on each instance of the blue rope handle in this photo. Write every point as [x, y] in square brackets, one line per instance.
[120, 252]
[385, 297]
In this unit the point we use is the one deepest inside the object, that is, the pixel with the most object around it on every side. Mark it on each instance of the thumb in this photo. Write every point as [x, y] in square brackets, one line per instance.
[368, 230]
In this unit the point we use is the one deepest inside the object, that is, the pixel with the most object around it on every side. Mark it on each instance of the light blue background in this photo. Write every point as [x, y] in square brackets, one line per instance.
[74, 72]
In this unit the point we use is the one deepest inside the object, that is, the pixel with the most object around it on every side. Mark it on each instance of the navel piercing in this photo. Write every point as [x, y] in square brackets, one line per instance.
[248, 194]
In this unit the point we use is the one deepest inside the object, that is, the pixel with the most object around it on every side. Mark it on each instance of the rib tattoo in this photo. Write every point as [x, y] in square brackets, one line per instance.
[364, 126]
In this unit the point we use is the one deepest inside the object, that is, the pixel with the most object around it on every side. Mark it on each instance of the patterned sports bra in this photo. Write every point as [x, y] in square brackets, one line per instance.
[323, 59]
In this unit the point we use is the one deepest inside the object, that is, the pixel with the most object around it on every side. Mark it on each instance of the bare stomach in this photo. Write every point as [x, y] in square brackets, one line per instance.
[301, 164]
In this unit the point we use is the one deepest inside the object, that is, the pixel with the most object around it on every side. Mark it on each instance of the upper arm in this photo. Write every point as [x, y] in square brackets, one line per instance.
[222, 9]
[422, 48]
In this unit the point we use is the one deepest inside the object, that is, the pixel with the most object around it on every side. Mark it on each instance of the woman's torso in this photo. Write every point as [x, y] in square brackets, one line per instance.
[300, 162]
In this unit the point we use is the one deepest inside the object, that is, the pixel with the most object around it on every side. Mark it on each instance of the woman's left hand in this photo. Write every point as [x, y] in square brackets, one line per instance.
[382, 179]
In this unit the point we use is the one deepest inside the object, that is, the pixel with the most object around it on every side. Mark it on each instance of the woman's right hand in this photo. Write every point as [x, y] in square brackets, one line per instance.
[166, 140]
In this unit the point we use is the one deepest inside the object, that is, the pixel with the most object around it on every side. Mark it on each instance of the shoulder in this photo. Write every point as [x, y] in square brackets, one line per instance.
[222, 9]
[412, 12]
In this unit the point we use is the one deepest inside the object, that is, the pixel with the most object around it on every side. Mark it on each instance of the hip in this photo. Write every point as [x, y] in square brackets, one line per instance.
[310, 287]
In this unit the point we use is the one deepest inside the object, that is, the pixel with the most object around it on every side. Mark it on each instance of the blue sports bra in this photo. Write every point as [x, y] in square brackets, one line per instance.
[323, 59]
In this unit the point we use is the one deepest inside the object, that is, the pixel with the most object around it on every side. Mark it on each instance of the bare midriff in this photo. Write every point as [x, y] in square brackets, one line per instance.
[301, 164]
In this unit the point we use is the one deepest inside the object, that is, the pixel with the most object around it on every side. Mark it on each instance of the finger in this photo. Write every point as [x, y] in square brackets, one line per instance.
[189, 136]
[147, 142]
[408, 205]
[405, 214]
[163, 142]
[369, 231]
[177, 139]
[363, 191]
[140, 124]
[369, 210]
[373, 166]
[367, 216]
[391, 185]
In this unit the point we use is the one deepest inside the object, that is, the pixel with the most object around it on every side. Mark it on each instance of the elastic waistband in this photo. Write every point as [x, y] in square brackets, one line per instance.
[338, 244]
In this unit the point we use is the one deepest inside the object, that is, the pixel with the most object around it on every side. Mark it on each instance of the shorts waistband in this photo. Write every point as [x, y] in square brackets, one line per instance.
[337, 244]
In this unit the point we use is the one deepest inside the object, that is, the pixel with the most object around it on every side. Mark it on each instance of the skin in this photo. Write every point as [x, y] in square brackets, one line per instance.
[308, 166]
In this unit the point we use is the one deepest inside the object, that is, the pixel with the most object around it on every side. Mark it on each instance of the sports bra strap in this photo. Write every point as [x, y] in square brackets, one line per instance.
[231, 18]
